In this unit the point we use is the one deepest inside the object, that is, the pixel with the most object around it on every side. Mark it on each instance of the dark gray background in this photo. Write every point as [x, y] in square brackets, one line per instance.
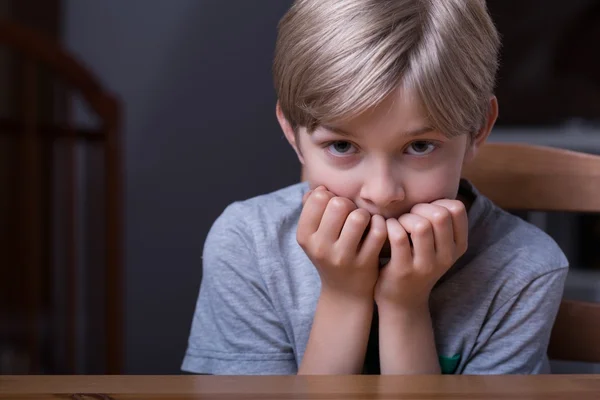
[200, 132]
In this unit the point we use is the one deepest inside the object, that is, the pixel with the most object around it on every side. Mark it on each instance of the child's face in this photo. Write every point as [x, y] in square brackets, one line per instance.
[385, 160]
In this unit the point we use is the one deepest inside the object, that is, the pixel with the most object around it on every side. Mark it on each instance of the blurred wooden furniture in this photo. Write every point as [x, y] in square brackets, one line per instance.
[439, 387]
[526, 177]
[43, 173]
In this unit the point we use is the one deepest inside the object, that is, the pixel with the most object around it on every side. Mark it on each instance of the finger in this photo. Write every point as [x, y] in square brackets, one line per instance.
[443, 233]
[400, 244]
[334, 217]
[460, 222]
[312, 213]
[353, 230]
[306, 196]
[421, 235]
[374, 239]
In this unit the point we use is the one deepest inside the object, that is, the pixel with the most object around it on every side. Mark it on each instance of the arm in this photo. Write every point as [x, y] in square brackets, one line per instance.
[515, 338]
[406, 342]
[338, 338]
[424, 244]
[330, 230]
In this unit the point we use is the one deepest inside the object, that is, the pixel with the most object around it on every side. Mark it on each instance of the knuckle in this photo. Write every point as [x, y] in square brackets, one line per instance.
[319, 252]
[398, 239]
[409, 274]
[318, 258]
[342, 204]
[359, 217]
[426, 270]
[378, 233]
[422, 228]
[321, 196]
[339, 260]
[446, 259]
[337, 202]
[403, 273]
[441, 216]
[457, 207]
[302, 240]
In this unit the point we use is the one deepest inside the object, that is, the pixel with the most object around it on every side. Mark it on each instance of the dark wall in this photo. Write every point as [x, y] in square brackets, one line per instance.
[200, 132]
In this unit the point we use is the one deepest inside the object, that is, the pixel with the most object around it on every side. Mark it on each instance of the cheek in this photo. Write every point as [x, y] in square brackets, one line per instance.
[434, 185]
[340, 183]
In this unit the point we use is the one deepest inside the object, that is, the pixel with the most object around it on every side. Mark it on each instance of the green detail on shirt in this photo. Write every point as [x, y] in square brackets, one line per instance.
[448, 365]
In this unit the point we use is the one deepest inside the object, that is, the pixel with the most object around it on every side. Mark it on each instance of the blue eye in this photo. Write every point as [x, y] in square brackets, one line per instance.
[341, 148]
[421, 148]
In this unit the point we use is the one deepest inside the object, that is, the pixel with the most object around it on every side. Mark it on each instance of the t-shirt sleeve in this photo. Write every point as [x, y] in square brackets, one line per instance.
[235, 329]
[514, 340]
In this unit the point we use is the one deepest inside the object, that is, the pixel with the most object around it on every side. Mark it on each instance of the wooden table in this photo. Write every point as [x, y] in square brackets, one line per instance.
[552, 387]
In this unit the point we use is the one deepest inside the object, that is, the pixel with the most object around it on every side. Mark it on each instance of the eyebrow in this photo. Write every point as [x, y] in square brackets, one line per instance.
[416, 132]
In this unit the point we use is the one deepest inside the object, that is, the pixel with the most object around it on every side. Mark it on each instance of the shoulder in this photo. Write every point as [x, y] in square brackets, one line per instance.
[504, 244]
[277, 206]
[259, 217]
[522, 244]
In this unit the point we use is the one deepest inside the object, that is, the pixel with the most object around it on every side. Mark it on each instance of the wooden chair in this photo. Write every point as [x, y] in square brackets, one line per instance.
[524, 177]
[44, 81]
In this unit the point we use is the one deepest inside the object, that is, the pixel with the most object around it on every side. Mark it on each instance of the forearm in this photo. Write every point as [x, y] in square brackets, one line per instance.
[339, 336]
[406, 342]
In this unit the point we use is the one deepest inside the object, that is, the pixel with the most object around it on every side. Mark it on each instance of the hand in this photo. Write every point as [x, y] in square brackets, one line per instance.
[438, 232]
[330, 231]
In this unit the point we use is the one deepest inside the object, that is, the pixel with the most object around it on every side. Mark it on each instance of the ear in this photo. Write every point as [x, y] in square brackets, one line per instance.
[478, 140]
[289, 132]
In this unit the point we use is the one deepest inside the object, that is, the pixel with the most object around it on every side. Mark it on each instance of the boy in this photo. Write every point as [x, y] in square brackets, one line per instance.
[384, 261]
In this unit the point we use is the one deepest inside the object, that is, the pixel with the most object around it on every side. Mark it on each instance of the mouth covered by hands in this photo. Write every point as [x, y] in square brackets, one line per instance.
[345, 243]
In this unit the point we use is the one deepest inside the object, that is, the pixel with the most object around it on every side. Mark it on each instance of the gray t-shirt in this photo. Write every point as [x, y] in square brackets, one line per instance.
[492, 312]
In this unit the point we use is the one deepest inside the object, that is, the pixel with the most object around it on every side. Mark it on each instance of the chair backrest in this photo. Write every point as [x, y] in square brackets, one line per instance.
[526, 177]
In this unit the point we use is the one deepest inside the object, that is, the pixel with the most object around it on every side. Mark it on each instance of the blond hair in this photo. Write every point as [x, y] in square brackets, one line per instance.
[335, 59]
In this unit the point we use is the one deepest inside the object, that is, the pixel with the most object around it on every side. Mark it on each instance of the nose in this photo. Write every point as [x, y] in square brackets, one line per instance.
[381, 191]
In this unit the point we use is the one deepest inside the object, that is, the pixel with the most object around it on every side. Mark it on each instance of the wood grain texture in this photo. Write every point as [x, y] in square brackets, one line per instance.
[300, 387]
[528, 177]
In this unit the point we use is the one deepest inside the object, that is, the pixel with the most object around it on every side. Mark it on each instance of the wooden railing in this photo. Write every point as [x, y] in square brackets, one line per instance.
[45, 264]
